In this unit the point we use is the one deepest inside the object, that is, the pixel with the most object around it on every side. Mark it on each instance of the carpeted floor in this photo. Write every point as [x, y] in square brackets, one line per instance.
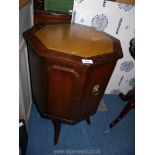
[82, 139]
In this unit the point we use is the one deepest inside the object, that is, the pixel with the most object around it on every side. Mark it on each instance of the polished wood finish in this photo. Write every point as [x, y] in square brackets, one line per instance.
[42, 17]
[127, 2]
[22, 3]
[130, 105]
[65, 89]
[57, 128]
[87, 41]
[45, 17]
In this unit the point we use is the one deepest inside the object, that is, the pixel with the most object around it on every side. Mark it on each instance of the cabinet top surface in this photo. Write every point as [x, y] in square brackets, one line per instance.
[75, 39]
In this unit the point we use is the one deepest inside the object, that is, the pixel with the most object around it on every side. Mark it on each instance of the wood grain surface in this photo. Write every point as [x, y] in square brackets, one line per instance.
[23, 3]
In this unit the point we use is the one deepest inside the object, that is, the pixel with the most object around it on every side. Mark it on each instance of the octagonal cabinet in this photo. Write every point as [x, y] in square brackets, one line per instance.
[70, 67]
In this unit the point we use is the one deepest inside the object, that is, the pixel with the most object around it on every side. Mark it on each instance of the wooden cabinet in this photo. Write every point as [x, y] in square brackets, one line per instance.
[42, 16]
[70, 66]
[46, 17]
[127, 2]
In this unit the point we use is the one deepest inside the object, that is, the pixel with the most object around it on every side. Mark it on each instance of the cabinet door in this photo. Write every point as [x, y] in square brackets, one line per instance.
[62, 87]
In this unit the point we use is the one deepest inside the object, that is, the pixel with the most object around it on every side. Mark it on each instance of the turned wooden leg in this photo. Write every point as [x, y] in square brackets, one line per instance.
[127, 108]
[57, 128]
[88, 121]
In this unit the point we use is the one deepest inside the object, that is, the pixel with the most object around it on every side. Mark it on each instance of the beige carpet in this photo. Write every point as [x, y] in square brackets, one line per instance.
[102, 106]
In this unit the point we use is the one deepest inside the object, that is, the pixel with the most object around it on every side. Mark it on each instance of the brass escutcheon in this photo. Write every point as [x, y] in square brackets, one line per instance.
[95, 90]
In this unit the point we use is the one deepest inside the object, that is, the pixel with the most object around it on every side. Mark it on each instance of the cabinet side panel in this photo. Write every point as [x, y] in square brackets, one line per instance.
[96, 83]
[38, 80]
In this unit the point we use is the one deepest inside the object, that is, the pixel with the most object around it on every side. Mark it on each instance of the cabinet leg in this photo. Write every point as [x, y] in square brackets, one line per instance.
[57, 128]
[88, 121]
[130, 105]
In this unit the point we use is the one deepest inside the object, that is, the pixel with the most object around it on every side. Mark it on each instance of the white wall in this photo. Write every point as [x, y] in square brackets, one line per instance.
[117, 20]
[25, 99]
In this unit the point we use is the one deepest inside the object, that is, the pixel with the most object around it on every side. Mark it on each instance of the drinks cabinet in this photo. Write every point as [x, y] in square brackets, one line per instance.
[70, 67]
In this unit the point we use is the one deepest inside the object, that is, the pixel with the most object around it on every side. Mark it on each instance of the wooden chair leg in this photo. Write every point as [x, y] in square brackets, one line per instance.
[127, 108]
[88, 121]
[57, 128]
